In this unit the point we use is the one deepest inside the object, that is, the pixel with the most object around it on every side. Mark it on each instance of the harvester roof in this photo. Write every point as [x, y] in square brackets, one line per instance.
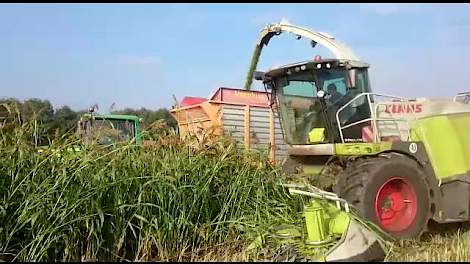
[312, 64]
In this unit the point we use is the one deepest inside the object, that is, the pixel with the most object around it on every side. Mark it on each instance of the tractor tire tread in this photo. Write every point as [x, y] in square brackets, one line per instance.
[354, 180]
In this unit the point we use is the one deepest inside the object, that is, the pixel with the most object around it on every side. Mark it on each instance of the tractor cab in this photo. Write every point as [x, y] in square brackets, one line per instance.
[310, 94]
[110, 129]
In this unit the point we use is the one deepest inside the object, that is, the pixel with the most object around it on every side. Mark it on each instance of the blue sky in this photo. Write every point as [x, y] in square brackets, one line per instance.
[137, 55]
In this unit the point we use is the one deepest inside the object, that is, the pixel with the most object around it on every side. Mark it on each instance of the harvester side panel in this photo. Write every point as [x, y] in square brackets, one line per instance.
[455, 202]
[447, 142]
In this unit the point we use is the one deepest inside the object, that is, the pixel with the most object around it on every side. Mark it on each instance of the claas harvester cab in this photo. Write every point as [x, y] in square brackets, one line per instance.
[398, 162]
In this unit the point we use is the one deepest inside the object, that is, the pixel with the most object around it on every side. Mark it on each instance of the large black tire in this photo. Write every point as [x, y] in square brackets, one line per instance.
[361, 181]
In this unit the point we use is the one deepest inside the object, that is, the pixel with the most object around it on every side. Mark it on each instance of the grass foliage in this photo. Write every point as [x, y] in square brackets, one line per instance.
[169, 200]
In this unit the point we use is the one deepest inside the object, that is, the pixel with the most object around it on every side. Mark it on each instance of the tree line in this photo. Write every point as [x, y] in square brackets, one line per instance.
[53, 122]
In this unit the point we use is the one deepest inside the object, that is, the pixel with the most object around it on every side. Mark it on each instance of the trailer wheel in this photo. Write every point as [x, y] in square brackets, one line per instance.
[390, 191]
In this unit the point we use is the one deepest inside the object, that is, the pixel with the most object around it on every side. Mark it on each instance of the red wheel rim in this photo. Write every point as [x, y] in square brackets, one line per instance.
[396, 205]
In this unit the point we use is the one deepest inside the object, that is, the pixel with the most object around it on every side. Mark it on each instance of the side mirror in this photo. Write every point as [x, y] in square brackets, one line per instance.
[351, 83]
[259, 75]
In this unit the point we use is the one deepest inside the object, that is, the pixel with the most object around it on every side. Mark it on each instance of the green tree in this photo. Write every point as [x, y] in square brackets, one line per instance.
[149, 116]
[12, 104]
[43, 113]
[64, 120]
[41, 110]
[50, 123]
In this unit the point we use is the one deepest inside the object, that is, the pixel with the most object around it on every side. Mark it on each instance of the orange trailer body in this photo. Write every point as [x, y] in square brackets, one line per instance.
[244, 115]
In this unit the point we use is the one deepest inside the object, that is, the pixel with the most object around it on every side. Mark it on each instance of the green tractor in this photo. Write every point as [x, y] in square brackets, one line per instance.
[110, 129]
[399, 162]
[106, 130]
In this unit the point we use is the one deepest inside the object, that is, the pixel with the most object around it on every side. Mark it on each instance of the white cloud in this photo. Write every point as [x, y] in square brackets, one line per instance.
[135, 60]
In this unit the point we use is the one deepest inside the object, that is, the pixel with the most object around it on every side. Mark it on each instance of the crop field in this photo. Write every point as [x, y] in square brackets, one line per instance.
[170, 200]
[199, 199]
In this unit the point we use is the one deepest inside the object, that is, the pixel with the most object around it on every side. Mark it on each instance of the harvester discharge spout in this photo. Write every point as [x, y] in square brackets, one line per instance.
[339, 50]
